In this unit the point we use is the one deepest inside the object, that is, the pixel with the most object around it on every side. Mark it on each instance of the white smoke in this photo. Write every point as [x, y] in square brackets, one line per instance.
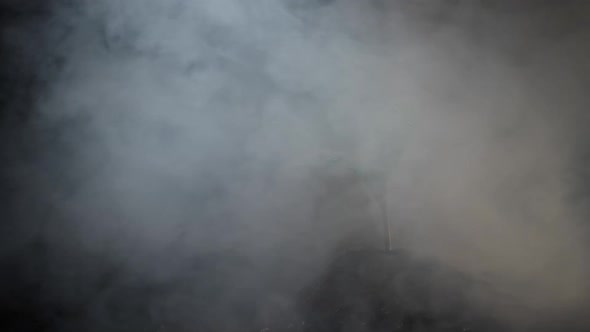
[212, 125]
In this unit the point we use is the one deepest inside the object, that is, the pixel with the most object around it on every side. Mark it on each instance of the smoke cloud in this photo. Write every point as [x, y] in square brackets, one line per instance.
[229, 150]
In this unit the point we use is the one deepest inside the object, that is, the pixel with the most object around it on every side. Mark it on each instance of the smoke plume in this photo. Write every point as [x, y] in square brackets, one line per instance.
[231, 149]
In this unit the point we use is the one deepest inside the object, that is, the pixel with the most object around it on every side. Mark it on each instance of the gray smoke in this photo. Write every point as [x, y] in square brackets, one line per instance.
[277, 130]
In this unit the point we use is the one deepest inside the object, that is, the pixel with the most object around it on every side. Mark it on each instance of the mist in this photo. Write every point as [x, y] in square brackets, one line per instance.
[230, 150]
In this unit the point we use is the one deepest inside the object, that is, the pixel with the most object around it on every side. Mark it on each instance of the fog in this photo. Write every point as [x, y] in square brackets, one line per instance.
[283, 133]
